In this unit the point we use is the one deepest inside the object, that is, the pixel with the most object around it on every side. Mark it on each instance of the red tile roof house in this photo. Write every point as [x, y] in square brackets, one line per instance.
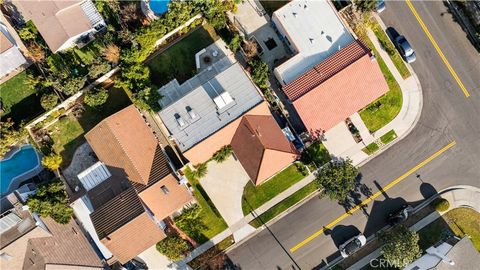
[131, 190]
[337, 87]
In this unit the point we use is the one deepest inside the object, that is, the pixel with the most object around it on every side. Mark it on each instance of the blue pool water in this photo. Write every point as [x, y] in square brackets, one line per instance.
[159, 6]
[22, 161]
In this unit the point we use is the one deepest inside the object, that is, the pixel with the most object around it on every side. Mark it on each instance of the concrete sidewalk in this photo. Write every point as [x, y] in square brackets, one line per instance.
[457, 196]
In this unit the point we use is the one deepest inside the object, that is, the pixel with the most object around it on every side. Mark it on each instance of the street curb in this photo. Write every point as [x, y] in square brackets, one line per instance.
[273, 220]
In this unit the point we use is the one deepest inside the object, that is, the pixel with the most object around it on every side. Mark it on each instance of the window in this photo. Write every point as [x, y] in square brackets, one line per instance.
[165, 189]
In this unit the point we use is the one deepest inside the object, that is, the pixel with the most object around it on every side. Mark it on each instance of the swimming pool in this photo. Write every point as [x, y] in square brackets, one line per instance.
[159, 6]
[20, 166]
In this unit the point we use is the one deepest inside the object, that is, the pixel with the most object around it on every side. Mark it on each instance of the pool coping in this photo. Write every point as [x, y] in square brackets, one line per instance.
[15, 179]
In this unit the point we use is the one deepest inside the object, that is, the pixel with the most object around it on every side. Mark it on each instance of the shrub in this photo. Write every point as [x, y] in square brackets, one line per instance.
[260, 73]
[96, 97]
[223, 154]
[173, 247]
[9, 136]
[51, 200]
[235, 43]
[111, 53]
[191, 223]
[98, 69]
[301, 168]
[48, 101]
[441, 204]
[197, 173]
[52, 162]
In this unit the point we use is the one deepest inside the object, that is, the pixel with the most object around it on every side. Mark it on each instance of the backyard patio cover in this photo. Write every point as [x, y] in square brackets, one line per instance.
[333, 90]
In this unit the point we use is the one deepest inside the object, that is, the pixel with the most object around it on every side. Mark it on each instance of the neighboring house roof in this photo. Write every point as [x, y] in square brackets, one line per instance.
[200, 107]
[58, 21]
[123, 141]
[124, 227]
[315, 32]
[166, 197]
[336, 88]
[66, 246]
[261, 147]
[5, 43]
[10, 56]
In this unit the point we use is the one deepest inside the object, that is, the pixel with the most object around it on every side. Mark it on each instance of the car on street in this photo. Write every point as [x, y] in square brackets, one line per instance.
[352, 245]
[405, 49]
[399, 215]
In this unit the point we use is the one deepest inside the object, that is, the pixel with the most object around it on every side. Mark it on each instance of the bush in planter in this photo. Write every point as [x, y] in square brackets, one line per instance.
[441, 204]
[173, 247]
[223, 154]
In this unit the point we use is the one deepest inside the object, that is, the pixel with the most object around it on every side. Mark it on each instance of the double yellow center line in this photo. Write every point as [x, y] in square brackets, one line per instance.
[369, 199]
[437, 48]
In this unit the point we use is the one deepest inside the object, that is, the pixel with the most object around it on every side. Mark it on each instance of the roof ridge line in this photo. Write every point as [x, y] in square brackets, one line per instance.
[125, 152]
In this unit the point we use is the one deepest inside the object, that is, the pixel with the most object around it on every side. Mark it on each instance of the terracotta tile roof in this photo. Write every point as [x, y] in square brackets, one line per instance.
[67, 246]
[325, 70]
[164, 204]
[123, 140]
[341, 95]
[256, 136]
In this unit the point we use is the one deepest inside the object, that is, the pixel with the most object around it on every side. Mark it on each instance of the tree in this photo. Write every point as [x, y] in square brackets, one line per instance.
[96, 97]
[8, 136]
[365, 5]
[337, 179]
[69, 86]
[111, 53]
[52, 162]
[51, 200]
[97, 69]
[250, 48]
[36, 52]
[48, 101]
[222, 154]
[191, 223]
[174, 247]
[260, 73]
[400, 246]
[28, 32]
[197, 173]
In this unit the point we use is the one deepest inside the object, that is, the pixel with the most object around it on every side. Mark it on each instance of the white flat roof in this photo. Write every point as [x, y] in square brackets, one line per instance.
[315, 30]
[94, 175]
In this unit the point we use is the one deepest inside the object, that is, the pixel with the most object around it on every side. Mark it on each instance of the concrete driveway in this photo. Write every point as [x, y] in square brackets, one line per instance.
[224, 185]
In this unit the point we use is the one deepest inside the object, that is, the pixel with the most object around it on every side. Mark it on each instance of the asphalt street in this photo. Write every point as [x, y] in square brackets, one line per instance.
[447, 115]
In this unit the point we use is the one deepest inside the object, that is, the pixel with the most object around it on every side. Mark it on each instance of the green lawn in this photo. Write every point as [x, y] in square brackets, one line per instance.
[209, 214]
[256, 196]
[391, 50]
[68, 133]
[458, 221]
[271, 5]
[388, 137]
[284, 205]
[178, 61]
[383, 110]
[371, 148]
[91, 52]
[20, 101]
[316, 153]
